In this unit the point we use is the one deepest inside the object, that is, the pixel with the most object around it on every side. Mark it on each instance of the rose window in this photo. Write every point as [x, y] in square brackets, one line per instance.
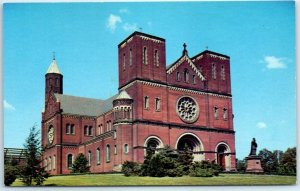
[187, 109]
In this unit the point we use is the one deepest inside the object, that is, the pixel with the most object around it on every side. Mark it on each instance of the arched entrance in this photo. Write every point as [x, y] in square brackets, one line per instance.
[223, 156]
[153, 142]
[193, 143]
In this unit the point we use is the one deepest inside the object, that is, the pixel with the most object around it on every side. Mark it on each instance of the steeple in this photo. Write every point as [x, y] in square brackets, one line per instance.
[53, 79]
[53, 68]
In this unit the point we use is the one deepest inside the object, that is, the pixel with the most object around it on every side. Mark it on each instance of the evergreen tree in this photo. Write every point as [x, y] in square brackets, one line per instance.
[288, 162]
[186, 159]
[32, 171]
[80, 164]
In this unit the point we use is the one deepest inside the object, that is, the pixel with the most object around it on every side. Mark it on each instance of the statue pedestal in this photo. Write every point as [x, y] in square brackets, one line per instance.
[254, 164]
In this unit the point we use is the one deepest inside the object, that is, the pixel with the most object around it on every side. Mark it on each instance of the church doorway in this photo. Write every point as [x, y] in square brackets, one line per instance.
[153, 142]
[223, 156]
[193, 144]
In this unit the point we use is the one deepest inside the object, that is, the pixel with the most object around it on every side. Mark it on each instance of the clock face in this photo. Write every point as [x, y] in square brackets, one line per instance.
[51, 134]
[187, 109]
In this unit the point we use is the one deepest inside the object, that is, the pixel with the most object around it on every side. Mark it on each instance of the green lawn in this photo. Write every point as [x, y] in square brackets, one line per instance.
[121, 180]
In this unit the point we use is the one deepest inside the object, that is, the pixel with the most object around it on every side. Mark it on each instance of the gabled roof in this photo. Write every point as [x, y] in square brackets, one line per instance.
[84, 106]
[53, 68]
[123, 95]
[181, 60]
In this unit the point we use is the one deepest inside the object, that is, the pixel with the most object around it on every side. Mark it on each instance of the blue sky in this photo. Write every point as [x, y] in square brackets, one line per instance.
[258, 36]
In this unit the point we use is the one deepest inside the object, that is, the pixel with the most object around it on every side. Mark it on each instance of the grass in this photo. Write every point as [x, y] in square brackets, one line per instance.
[121, 180]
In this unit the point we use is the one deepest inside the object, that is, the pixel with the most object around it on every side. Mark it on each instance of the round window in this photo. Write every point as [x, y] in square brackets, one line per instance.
[187, 109]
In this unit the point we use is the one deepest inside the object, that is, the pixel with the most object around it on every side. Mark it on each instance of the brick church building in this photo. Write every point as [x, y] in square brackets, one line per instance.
[188, 102]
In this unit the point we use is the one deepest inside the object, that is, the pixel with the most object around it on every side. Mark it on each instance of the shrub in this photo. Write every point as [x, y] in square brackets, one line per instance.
[80, 164]
[204, 169]
[10, 174]
[130, 168]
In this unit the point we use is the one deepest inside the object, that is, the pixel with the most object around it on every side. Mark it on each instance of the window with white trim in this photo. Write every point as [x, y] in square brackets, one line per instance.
[156, 58]
[225, 113]
[89, 158]
[145, 56]
[157, 104]
[69, 161]
[214, 71]
[130, 57]
[107, 153]
[98, 156]
[126, 148]
[222, 72]
[216, 113]
[146, 102]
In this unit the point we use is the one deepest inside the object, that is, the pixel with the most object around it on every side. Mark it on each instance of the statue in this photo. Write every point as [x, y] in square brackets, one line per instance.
[253, 147]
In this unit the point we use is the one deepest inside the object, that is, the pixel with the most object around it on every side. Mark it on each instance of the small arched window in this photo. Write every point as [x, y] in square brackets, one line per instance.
[145, 55]
[177, 76]
[214, 71]
[124, 61]
[98, 156]
[68, 128]
[90, 130]
[194, 79]
[186, 76]
[86, 130]
[126, 149]
[216, 114]
[69, 160]
[146, 102]
[222, 72]
[156, 61]
[72, 129]
[89, 158]
[157, 104]
[225, 113]
[50, 164]
[107, 153]
[130, 57]
[54, 162]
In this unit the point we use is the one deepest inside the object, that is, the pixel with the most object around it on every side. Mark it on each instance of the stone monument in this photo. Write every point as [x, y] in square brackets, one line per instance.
[253, 160]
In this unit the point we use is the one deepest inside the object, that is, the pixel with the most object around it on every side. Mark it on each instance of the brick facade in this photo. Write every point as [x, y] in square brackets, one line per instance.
[188, 102]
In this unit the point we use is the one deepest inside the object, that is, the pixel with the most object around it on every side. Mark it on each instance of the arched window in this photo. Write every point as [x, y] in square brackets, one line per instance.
[214, 71]
[68, 128]
[216, 114]
[124, 61]
[90, 130]
[194, 79]
[115, 149]
[222, 72]
[130, 57]
[225, 113]
[98, 156]
[156, 61]
[69, 161]
[86, 130]
[56, 81]
[157, 104]
[126, 149]
[177, 76]
[50, 164]
[72, 129]
[146, 102]
[54, 162]
[89, 158]
[145, 55]
[101, 129]
[107, 153]
[186, 76]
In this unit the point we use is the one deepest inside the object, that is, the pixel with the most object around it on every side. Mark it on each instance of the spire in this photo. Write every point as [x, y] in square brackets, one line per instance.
[123, 95]
[53, 68]
[184, 52]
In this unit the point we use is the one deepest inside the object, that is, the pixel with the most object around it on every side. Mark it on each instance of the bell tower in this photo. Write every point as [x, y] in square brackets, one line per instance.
[54, 80]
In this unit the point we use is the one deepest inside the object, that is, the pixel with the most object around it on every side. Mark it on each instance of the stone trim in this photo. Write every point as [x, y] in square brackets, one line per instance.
[151, 39]
[183, 126]
[190, 62]
[185, 90]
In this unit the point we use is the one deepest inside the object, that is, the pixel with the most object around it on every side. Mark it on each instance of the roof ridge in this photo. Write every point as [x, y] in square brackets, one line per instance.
[78, 97]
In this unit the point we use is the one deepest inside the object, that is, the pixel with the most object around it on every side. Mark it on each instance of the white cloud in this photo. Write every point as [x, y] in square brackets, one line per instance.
[130, 27]
[261, 125]
[112, 22]
[274, 62]
[124, 10]
[8, 106]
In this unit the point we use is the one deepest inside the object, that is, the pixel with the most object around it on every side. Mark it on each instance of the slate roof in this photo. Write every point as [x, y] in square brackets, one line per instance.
[84, 106]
